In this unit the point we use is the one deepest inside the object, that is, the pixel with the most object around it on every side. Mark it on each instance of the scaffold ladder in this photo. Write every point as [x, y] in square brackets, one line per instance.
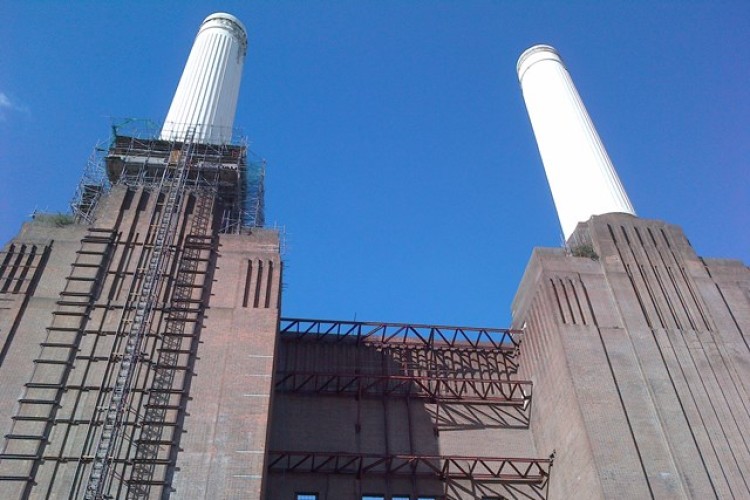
[185, 309]
[173, 187]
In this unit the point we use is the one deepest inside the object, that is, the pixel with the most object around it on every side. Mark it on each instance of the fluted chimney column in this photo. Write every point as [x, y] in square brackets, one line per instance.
[580, 174]
[205, 102]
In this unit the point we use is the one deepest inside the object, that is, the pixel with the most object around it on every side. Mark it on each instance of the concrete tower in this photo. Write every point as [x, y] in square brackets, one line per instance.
[115, 382]
[580, 173]
[206, 98]
[637, 347]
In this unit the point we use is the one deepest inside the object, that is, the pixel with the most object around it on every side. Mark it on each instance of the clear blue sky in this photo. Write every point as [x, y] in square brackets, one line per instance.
[400, 157]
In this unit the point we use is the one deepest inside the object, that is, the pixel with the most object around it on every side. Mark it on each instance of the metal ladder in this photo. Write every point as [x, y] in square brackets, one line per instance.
[185, 309]
[38, 406]
[148, 295]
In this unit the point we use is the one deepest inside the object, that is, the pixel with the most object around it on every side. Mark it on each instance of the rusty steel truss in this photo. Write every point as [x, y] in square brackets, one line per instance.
[433, 336]
[462, 374]
[467, 390]
[533, 471]
[454, 369]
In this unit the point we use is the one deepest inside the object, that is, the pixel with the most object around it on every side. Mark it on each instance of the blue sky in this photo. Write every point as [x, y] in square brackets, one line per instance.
[400, 157]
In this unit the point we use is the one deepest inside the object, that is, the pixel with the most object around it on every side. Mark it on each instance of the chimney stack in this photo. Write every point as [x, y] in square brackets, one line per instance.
[205, 102]
[580, 174]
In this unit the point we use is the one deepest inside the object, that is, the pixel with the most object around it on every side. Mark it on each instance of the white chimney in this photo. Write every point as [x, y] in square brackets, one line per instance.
[206, 98]
[579, 171]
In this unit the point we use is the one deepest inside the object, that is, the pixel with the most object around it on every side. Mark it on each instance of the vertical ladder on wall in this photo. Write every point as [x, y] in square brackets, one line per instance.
[167, 388]
[172, 186]
[35, 414]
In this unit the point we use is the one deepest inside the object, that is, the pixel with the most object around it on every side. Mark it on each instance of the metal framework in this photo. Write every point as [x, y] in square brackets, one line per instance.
[135, 430]
[432, 336]
[466, 390]
[93, 184]
[136, 157]
[172, 184]
[456, 370]
[37, 409]
[132, 424]
[225, 168]
[185, 311]
[533, 471]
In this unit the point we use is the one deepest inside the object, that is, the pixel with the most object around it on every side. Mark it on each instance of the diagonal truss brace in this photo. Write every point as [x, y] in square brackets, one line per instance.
[435, 388]
[432, 336]
[533, 471]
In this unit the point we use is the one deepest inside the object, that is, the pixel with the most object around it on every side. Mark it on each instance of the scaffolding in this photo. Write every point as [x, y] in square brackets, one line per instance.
[136, 156]
[137, 368]
[93, 184]
[172, 184]
[166, 390]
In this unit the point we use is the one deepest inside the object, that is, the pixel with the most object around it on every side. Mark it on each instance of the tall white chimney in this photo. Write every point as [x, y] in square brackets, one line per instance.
[206, 98]
[579, 171]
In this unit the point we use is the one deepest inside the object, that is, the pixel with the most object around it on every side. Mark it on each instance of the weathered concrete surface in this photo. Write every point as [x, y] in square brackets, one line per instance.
[62, 340]
[390, 425]
[640, 361]
[224, 443]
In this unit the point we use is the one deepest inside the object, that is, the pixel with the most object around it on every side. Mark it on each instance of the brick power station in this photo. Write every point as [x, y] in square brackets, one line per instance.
[143, 353]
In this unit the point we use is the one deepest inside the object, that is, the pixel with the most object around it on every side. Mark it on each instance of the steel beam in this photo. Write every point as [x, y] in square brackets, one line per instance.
[467, 390]
[532, 471]
[433, 336]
